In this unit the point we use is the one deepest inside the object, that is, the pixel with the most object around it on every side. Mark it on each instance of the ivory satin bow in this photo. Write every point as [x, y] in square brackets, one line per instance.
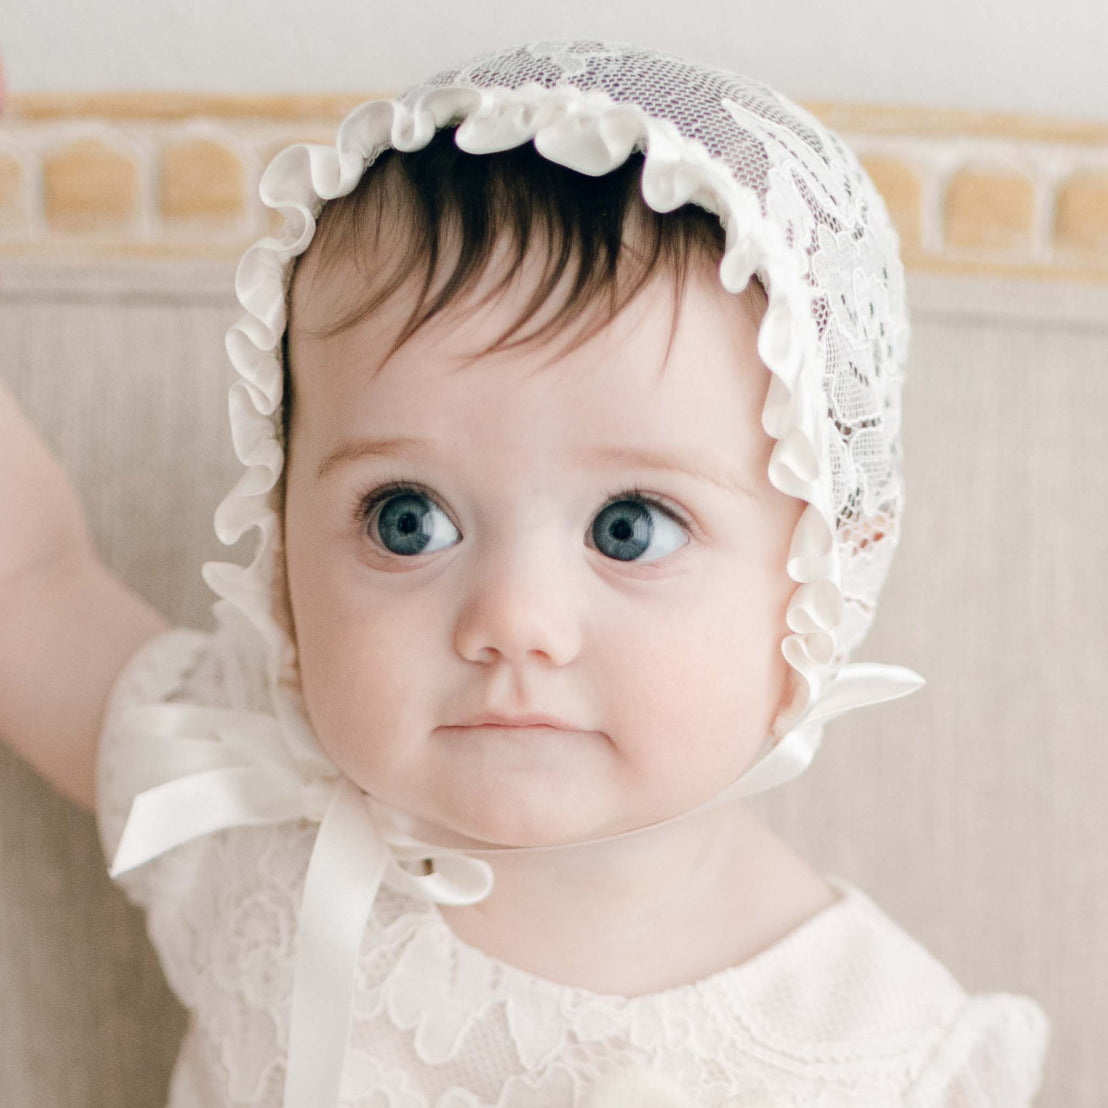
[220, 768]
[224, 768]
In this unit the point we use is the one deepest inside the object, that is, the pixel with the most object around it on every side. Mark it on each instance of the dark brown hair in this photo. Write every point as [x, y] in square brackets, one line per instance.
[440, 195]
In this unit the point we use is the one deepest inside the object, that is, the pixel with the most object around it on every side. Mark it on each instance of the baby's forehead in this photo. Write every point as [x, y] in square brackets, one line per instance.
[700, 394]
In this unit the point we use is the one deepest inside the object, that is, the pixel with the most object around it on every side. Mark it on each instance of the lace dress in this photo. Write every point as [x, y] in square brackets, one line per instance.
[845, 1010]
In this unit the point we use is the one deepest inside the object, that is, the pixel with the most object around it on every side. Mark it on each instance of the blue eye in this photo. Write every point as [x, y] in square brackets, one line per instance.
[626, 528]
[410, 522]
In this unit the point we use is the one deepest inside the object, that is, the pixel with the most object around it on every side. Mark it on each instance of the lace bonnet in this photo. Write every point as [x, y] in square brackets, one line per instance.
[798, 210]
[800, 213]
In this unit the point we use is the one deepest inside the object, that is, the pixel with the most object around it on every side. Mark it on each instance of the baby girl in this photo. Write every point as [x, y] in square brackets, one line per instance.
[569, 399]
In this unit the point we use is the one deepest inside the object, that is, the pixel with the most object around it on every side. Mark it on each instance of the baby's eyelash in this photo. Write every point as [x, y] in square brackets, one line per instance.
[636, 492]
[366, 499]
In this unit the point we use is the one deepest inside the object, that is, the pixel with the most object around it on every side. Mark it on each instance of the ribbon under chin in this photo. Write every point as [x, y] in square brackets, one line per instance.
[348, 863]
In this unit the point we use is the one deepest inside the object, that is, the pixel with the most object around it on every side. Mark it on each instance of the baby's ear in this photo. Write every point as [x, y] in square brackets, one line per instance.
[635, 1087]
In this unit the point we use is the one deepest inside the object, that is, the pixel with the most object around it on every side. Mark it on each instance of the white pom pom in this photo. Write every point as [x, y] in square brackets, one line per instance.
[636, 1087]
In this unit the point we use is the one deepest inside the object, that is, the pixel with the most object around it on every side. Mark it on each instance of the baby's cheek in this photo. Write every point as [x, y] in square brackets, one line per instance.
[361, 697]
[699, 700]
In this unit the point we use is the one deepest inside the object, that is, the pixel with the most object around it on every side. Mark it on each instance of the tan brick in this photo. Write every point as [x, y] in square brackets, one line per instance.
[89, 186]
[1081, 213]
[13, 196]
[200, 180]
[989, 210]
[900, 189]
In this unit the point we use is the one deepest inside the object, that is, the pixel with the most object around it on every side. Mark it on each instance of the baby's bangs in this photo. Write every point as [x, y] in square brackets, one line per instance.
[440, 208]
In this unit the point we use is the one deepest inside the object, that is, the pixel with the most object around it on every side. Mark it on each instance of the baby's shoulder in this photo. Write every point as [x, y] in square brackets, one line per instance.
[850, 973]
[219, 668]
[853, 987]
[165, 668]
[180, 691]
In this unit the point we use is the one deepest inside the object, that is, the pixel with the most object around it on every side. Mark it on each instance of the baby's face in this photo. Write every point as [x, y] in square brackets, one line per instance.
[515, 569]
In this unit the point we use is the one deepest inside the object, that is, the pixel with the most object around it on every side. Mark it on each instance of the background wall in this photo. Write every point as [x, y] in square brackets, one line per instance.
[1002, 55]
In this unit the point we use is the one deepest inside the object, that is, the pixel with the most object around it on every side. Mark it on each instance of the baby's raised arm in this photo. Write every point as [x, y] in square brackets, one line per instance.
[67, 624]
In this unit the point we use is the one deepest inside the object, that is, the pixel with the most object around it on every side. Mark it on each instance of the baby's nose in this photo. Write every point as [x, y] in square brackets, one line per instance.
[521, 603]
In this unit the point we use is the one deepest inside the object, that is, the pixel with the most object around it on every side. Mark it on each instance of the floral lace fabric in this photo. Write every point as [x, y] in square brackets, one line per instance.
[846, 1009]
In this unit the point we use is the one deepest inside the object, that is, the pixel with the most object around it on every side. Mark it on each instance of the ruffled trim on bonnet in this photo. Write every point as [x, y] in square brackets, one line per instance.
[588, 132]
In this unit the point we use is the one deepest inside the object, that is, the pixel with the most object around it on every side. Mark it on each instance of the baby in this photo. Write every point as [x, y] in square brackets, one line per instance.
[569, 400]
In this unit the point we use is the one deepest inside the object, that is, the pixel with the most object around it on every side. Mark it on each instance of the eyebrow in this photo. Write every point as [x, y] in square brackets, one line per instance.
[702, 469]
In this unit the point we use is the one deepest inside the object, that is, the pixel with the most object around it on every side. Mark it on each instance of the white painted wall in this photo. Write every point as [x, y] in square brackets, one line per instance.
[1008, 55]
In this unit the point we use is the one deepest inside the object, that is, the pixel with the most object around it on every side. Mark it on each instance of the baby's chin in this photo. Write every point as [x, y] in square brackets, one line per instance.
[477, 791]
[512, 792]
[515, 813]
[523, 820]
